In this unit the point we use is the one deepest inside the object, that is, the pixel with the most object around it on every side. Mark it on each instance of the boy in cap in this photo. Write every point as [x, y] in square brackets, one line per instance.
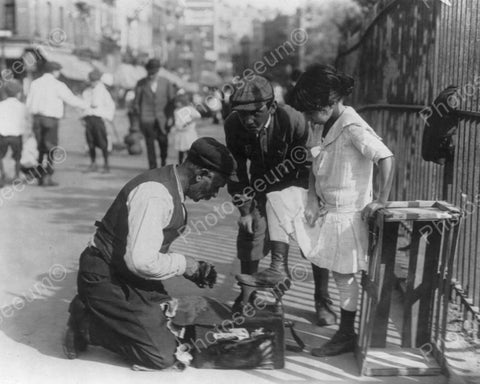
[13, 118]
[102, 107]
[266, 134]
[273, 138]
[121, 272]
[154, 96]
[45, 101]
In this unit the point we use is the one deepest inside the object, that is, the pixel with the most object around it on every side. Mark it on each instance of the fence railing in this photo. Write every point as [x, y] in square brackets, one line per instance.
[406, 55]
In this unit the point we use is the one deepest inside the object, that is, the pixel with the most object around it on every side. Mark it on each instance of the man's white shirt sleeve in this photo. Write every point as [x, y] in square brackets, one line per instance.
[68, 96]
[150, 209]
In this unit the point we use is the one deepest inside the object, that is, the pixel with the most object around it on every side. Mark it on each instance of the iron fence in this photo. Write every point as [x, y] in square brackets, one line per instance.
[410, 51]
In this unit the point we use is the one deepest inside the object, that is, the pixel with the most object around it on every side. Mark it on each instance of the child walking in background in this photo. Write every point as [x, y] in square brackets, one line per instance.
[13, 122]
[102, 108]
[184, 129]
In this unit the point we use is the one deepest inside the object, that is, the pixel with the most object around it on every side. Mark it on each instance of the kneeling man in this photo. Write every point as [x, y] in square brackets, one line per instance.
[120, 275]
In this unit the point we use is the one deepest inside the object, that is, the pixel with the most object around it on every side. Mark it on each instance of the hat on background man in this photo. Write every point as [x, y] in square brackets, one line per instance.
[51, 66]
[208, 153]
[95, 75]
[13, 88]
[251, 94]
[153, 64]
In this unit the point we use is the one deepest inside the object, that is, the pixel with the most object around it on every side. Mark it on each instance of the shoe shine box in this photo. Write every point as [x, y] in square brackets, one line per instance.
[248, 340]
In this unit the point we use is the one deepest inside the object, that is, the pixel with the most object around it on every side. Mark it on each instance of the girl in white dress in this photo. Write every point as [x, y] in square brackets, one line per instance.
[329, 220]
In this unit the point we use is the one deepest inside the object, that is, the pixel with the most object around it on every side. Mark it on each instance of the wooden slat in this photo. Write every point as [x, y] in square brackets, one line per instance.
[428, 287]
[389, 247]
[410, 286]
[404, 362]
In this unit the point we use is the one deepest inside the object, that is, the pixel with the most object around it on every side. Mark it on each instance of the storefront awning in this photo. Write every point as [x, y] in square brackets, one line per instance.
[127, 75]
[72, 67]
[173, 77]
[11, 51]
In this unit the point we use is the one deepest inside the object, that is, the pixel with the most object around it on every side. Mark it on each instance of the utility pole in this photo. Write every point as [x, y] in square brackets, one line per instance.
[4, 35]
[301, 48]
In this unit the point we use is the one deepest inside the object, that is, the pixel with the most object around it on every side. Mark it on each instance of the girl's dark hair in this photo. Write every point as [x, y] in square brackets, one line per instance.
[320, 86]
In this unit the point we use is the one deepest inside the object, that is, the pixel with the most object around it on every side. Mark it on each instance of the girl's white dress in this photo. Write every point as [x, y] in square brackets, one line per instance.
[343, 169]
[184, 130]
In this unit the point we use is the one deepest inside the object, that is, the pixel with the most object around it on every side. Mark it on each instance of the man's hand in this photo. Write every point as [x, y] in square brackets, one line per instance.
[200, 272]
[246, 223]
[369, 211]
[163, 130]
[313, 211]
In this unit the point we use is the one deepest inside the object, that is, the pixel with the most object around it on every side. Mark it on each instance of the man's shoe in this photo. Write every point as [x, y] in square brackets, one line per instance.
[324, 314]
[338, 344]
[73, 341]
[92, 168]
[269, 278]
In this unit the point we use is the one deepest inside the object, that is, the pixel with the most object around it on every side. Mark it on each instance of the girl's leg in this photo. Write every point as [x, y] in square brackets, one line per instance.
[344, 339]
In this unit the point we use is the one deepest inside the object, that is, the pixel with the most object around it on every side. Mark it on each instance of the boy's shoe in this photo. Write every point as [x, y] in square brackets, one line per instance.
[338, 344]
[106, 169]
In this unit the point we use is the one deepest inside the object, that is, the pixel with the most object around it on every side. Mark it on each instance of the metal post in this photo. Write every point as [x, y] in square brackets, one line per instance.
[4, 34]
[3, 64]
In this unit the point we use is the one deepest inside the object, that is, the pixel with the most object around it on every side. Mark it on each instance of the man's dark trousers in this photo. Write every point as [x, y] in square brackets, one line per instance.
[125, 319]
[46, 133]
[151, 131]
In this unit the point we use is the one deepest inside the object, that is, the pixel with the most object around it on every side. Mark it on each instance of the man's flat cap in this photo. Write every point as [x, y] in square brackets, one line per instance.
[208, 153]
[251, 93]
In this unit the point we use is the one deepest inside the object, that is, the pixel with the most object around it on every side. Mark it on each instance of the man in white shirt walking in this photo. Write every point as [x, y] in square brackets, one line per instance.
[121, 272]
[102, 107]
[13, 119]
[45, 101]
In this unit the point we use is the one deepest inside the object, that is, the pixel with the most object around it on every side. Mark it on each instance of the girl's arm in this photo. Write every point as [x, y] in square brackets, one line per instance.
[313, 209]
[386, 167]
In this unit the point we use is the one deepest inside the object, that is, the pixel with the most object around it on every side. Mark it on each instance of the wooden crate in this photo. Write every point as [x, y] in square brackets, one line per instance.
[434, 236]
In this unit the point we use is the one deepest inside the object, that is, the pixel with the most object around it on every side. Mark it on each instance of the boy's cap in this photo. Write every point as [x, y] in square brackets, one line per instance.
[95, 75]
[51, 66]
[13, 88]
[251, 94]
[209, 153]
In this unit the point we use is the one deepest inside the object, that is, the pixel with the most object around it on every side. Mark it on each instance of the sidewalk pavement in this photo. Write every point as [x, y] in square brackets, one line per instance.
[43, 231]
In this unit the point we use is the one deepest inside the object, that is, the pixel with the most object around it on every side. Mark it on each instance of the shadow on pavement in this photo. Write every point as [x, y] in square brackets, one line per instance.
[37, 317]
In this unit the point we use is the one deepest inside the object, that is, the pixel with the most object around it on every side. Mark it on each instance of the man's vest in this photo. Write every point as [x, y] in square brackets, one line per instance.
[112, 231]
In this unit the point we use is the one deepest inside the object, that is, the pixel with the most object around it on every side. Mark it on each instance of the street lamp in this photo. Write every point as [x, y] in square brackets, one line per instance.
[4, 34]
